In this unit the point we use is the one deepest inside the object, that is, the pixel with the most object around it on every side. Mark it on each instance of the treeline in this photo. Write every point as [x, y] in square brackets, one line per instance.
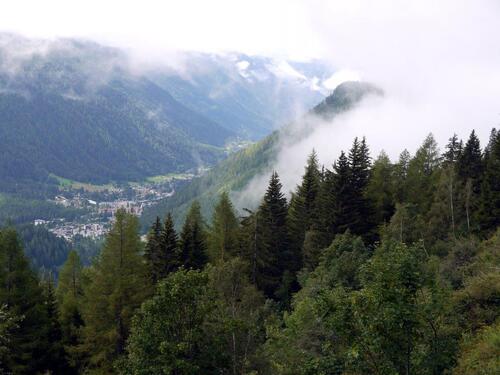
[370, 268]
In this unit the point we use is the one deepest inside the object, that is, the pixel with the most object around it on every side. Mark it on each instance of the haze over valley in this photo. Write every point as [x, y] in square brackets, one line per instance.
[250, 188]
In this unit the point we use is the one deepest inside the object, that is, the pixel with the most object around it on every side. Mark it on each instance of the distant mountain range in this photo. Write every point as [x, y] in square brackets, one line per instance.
[75, 109]
[234, 173]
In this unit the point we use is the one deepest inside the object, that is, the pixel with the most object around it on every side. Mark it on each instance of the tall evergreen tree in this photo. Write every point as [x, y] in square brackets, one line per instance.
[117, 287]
[470, 164]
[21, 293]
[152, 248]
[401, 177]
[303, 210]
[193, 240]
[55, 356]
[223, 235]
[469, 170]
[421, 175]
[380, 189]
[359, 215]
[453, 151]
[274, 257]
[69, 295]
[162, 250]
[490, 187]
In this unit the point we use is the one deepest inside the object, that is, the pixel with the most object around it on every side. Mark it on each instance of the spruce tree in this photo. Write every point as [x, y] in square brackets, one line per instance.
[193, 239]
[21, 293]
[453, 151]
[223, 235]
[274, 256]
[117, 287]
[469, 172]
[380, 189]
[69, 295]
[152, 249]
[55, 355]
[303, 211]
[359, 214]
[162, 250]
[490, 187]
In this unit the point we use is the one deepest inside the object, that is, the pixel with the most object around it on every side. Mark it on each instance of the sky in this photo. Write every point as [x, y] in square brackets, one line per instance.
[437, 61]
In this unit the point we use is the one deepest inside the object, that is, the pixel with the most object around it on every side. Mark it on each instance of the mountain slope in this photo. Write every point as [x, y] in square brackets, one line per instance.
[72, 109]
[235, 172]
[250, 95]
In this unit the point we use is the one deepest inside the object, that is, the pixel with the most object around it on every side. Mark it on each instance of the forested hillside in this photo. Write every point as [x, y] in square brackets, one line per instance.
[372, 267]
[59, 115]
[234, 173]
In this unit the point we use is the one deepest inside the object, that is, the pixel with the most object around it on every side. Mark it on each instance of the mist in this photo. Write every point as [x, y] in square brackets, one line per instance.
[438, 64]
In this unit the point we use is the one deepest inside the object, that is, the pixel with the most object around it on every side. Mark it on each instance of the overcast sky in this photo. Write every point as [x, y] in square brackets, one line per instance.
[438, 61]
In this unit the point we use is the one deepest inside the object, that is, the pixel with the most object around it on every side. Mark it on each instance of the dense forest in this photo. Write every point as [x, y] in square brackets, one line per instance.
[371, 267]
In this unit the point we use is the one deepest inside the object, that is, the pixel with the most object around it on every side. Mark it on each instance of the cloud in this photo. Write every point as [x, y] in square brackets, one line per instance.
[438, 64]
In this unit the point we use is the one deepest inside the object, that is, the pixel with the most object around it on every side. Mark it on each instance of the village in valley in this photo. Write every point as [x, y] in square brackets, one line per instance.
[100, 203]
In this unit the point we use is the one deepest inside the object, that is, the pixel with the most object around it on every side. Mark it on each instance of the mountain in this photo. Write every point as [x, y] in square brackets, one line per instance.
[81, 111]
[72, 109]
[234, 173]
[250, 95]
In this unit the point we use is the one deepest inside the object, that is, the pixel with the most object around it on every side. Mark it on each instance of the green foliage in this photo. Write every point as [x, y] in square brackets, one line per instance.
[480, 355]
[223, 235]
[69, 293]
[162, 251]
[274, 256]
[193, 239]
[168, 334]
[117, 286]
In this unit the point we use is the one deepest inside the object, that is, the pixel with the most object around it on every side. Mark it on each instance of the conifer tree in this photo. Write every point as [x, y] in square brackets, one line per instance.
[55, 356]
[223, 235]
[490, 187]
[470, 164]
[401, 177]
[274, 257]
[421, 175]
[162, 250]
[69, 295]
[193, 239]
[152, 248]
[117, 287]
[341, 194]
[359, 210]
[469, 173]
[380, 189]
[303, 211]
[21, 293]
[453, 151]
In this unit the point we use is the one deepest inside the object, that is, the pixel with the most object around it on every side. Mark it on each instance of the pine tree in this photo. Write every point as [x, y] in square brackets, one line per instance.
[69, 295]
[274, 257]
[303, 210]
[380, 189]
[152, 249]
[193, 240]
[117, 287]
[470, 164]
[469, 170]
[340, 196]
[453, 151]
[162, 250]
[490, 187]
[55, 356]
[401, 177]
[421, 176]
[21, 293]
[359, 215]
[223, 236]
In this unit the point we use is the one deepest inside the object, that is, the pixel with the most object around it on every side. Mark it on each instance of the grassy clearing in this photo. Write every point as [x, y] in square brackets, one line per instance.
[66, 183]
